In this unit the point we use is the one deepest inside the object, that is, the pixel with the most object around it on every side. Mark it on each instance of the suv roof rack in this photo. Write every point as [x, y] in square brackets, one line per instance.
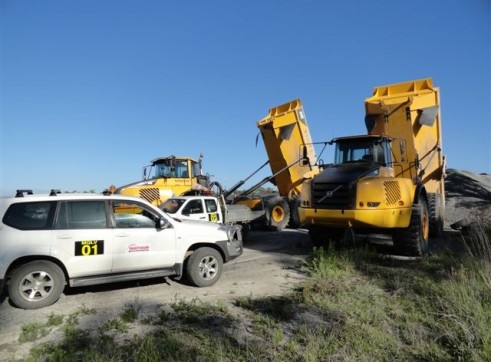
[20, 193]
[54, 192]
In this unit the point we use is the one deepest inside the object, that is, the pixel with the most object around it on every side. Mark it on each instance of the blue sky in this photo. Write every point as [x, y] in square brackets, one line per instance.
[93, 90]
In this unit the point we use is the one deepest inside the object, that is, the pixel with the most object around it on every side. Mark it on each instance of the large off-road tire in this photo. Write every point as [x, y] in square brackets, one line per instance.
[36, 284]
[245, 228]
[277, 213]
[413, 240]
[204, 267]
[294, 204]
[436, 210]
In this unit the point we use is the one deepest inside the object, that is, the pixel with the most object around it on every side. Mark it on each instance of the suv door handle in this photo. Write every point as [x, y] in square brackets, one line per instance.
[64, 236]
[122, 235]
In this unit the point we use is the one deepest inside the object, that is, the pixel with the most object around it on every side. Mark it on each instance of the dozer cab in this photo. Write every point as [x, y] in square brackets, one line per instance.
[390, 180]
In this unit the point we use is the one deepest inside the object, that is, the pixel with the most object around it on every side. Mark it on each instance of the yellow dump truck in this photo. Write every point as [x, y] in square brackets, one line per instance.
[166, 177]
[390, 180]
[288, 144]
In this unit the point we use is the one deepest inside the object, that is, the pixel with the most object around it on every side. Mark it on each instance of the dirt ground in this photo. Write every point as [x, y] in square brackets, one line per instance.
[268, 267]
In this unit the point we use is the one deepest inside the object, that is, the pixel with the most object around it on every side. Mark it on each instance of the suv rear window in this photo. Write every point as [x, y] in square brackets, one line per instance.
[30, 215]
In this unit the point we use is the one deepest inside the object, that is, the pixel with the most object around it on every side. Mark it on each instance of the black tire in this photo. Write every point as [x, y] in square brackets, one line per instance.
[204, 267]
[36, 284]
[436, 212]
[277, 213]
[294, 215]
[413, 240]
[245, 230]
[318, 236]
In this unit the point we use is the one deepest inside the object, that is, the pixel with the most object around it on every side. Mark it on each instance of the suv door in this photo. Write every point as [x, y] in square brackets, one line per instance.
[82, 238]
[139, 244]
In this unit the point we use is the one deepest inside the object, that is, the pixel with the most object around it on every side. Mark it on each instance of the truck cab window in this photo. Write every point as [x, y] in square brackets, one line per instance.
[362, 150]
[193, 207]
[211, 206]
[182, 169]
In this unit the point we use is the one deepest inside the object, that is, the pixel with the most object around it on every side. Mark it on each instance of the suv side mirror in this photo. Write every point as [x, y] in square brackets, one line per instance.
[163, 223]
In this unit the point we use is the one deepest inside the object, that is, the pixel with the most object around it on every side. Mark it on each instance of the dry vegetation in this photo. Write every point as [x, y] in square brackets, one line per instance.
[355, 305]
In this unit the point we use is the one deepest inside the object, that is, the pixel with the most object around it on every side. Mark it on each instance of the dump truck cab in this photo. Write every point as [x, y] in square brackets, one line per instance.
[366, 149]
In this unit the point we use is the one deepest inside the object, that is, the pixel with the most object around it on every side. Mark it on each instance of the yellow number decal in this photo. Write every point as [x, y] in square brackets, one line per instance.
[85, 250]
[89, 247]
[214, 217]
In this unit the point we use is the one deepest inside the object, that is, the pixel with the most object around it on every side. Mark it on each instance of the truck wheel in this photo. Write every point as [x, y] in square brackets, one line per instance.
[318, 236]
[204, 267]
[277, 213]
[36, 284]
[245, 230]
[413, 240]
[294, 216]
[436, 212]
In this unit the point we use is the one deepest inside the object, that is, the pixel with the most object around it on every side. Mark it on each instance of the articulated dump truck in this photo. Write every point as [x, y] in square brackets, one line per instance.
[389, 181]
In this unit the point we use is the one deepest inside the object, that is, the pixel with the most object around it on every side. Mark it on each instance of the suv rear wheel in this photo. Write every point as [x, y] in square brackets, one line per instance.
[36, 284]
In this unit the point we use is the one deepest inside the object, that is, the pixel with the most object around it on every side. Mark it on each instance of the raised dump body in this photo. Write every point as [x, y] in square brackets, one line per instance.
[291, 154]
[285, 134]
[410, 114]
[388, 181]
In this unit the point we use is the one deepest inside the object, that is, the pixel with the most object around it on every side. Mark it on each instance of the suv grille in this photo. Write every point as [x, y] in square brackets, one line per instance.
[332, 195]
[150, 195]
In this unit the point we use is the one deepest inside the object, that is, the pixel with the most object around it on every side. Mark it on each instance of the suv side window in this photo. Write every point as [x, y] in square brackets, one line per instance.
[30, 215]
[132, 215]
[81, 215]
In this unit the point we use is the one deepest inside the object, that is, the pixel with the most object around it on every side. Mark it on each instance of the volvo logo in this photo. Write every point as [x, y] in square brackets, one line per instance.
[329, 194]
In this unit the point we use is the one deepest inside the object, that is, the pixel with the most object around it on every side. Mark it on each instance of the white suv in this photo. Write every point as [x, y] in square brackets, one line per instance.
[47, 242]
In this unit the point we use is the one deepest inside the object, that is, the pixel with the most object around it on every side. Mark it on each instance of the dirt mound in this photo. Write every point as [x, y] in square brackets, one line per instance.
[465, 183]
[468, 196]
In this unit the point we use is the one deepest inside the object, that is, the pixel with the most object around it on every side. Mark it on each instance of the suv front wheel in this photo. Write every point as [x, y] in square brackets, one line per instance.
[36, 284]
[204, 267]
